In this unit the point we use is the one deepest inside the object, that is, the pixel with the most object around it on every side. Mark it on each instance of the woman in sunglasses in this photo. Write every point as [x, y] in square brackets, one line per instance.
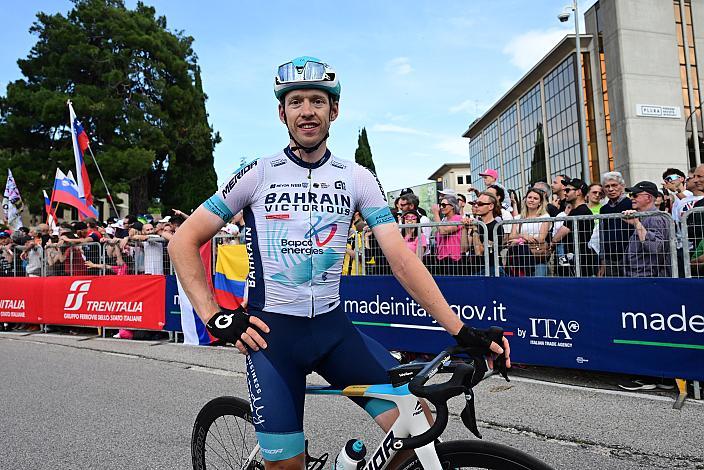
[486, 208]
[448, 238]
[528, 251]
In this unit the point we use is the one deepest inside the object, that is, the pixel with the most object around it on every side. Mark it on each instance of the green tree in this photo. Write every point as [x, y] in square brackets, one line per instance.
[363, 154]
[136, 87]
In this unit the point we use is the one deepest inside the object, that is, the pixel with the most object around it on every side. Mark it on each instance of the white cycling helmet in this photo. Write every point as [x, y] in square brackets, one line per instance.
[306, 72]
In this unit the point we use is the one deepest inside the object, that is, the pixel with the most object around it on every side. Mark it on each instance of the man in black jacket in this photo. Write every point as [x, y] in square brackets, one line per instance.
[613, 233]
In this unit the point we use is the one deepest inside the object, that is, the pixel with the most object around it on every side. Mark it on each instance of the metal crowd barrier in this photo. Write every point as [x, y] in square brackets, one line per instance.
[598, 246]
[692, 227]
[443, 254]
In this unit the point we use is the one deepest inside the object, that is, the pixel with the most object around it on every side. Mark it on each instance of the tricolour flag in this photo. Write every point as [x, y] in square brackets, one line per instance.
[80, 145]
[66, 191]
[12, 203]
[231, 272]
[194, 331]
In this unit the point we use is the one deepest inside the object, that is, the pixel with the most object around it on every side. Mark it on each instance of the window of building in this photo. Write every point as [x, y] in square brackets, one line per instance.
[532, 136]
[460, 179]
[511, 149]
[695, 107]
[563, 119]
[605, 100]
[492, 151]
[592, 146]
[476, 157]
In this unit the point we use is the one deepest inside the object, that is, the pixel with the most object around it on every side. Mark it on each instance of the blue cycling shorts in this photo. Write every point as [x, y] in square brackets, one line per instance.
[328, 344]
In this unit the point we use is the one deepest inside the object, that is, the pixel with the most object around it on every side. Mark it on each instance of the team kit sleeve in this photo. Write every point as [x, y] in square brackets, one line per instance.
[237, 193]
[371, 201]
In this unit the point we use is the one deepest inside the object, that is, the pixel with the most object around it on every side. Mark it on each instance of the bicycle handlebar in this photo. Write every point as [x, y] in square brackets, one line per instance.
[438, 395]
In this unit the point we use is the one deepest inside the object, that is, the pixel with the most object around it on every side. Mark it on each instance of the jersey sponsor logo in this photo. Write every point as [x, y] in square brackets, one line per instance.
[251, 276]
[317, 229]
[338, 164]
[277, 216]
[288, 185]
[340, 185]
[321, 185]
[299, 247]
[255, 393]
[278, 162]
[308, 202]
[381, 188]
[236, 177]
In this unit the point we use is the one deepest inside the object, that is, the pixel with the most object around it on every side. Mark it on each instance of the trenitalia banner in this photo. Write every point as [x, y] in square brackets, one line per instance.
[651, 327]
[20, 300]
[110, 301]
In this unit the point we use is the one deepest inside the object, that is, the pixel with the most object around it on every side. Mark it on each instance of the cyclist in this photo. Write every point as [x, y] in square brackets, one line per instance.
[297, 207]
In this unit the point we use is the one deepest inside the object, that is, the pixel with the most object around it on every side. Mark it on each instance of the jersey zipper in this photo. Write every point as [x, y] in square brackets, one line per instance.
[310, 224]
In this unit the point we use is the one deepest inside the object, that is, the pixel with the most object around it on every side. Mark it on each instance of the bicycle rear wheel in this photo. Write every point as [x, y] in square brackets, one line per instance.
[224, 438]
[479, 454]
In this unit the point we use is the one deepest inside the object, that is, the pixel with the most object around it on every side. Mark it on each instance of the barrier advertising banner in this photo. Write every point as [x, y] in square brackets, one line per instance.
[110, 301]
[20, 301]
[173, 305]
[652, 327]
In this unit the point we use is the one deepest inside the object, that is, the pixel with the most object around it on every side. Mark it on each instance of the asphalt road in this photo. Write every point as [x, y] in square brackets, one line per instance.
[71, 402]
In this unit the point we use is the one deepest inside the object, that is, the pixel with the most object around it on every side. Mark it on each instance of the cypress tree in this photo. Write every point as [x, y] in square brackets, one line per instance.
[363, 154]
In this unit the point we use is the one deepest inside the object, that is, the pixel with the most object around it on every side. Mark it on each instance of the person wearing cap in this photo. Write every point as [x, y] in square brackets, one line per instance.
[491, 178]
[575, 195]
[647, 254]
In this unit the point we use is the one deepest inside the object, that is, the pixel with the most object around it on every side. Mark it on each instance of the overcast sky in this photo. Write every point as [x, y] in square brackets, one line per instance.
[414, 73]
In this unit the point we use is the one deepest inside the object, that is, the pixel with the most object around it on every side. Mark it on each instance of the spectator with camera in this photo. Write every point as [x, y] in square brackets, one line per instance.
[613, 233]
[575, 234]
[647, 254]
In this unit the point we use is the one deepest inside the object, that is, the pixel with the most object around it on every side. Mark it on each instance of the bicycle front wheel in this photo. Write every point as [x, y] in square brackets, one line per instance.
[479, 454]
[224, 438]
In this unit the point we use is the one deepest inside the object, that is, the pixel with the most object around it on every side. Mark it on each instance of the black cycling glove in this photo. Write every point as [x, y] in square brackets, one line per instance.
[229, 325]
[477, 343]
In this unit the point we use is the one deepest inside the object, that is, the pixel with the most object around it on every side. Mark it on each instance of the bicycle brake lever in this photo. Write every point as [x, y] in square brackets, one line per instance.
[468, 415]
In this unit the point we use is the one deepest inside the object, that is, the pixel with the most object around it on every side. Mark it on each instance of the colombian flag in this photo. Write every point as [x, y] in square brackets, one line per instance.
[230, 277]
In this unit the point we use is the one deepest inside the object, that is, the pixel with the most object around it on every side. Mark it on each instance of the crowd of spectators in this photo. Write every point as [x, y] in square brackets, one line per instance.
[635, 241]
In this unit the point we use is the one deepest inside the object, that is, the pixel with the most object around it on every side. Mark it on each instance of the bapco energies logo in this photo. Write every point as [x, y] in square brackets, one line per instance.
[74, 299]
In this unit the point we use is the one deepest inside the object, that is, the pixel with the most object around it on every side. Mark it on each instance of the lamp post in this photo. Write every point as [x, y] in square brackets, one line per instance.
[563, 17]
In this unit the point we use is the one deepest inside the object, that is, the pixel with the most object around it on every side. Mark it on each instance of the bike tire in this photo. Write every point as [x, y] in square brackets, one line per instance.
[479, 454]
[223, 436]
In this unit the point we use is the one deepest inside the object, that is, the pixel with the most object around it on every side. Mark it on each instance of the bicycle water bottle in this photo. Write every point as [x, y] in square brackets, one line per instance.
[351, 457]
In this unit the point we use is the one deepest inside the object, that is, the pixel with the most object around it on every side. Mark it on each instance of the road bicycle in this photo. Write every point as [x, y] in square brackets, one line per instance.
[223, 433]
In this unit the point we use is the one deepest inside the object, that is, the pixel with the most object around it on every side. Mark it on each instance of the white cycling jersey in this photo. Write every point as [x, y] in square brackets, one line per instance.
[297, 216]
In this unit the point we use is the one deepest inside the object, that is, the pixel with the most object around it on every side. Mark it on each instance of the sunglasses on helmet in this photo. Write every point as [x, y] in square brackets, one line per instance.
[311, 71]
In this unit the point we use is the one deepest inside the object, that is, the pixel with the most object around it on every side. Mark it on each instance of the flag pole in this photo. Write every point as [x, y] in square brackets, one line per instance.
[100, 173]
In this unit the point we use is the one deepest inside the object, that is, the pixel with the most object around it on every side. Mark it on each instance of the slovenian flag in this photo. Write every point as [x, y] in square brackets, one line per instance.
[66, 191]
[80, 145]
[231, 271]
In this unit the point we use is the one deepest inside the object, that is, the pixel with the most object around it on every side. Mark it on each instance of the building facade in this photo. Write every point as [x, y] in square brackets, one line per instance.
[638, 85]
[453, 176]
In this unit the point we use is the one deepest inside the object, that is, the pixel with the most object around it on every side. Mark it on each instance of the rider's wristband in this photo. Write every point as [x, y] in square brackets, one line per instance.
[229, 325]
